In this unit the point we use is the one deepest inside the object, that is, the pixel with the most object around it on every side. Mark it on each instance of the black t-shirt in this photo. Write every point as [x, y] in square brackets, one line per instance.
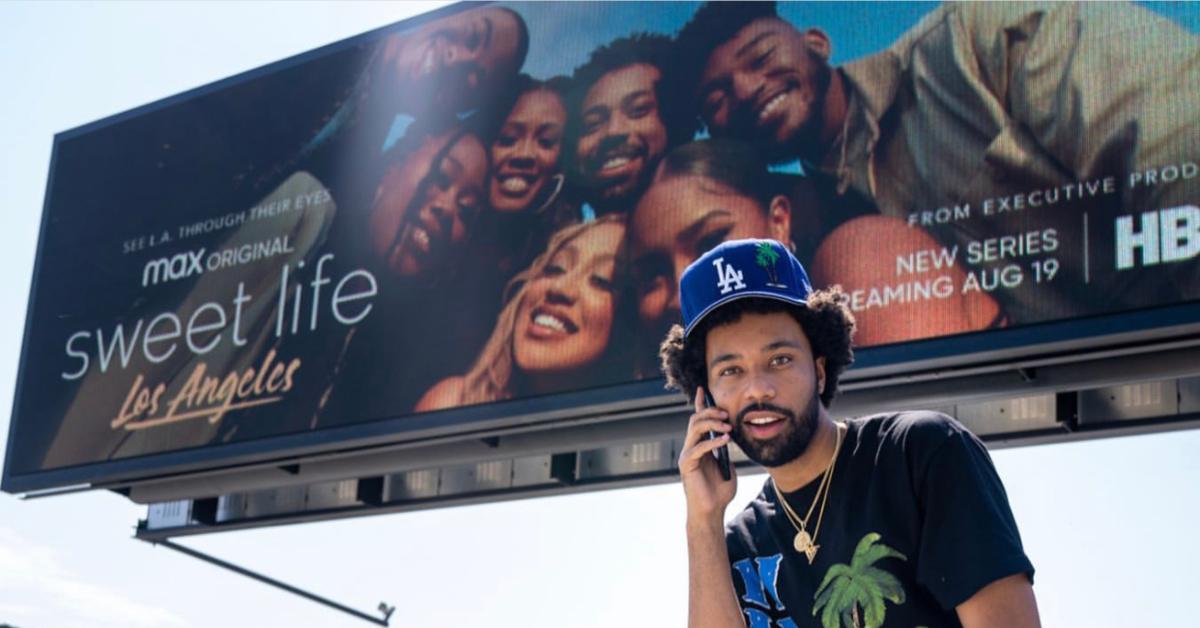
[916, 521]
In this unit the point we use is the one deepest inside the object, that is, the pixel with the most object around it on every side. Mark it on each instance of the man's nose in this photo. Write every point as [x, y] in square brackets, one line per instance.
[746, 86]
[759, 388]
[617, 125]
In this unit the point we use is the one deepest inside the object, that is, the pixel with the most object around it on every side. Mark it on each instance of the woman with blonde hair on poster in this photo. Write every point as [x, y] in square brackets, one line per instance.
[554, 331]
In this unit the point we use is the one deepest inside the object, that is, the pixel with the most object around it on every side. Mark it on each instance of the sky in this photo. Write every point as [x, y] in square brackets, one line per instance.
[1107, 523]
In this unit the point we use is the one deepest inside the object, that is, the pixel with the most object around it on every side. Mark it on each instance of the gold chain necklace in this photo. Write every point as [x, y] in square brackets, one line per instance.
[805, 543]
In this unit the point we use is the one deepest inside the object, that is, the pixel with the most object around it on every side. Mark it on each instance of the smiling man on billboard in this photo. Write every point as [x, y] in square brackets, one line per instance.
[622, 120]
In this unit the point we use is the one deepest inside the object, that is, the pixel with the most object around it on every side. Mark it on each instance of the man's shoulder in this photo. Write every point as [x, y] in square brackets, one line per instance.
[980, 22]
[994, 17]
[909, 429]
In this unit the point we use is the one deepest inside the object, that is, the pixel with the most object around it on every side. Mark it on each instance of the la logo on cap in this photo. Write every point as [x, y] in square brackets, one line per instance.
[728, 277]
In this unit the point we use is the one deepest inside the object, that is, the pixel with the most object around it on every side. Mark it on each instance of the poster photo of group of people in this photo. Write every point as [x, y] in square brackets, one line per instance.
[496, 202]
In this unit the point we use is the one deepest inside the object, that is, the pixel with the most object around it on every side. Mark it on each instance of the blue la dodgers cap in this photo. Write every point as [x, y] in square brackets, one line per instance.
[738, 269]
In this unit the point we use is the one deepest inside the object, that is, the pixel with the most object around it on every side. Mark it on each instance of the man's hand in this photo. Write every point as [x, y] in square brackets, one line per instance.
[707, 494]
[712, 601]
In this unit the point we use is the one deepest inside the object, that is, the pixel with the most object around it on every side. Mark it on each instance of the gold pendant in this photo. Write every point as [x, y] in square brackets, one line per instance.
[803, 543]
[811, 553]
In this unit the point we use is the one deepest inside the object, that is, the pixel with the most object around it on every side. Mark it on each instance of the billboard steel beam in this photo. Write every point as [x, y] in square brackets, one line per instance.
[384, 609]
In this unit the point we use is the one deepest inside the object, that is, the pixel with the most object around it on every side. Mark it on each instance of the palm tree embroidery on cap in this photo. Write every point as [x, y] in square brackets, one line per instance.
[765, 255]
[852, 596]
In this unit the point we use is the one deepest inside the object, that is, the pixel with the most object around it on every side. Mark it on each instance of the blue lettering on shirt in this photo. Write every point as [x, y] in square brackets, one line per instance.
[759, 579]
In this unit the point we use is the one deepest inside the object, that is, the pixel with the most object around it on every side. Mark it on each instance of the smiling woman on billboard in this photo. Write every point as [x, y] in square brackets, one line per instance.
[557, 327]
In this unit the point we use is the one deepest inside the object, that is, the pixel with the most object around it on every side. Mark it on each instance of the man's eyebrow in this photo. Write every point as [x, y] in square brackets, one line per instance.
[631, 97]
[750, 44]
[724, 357]
[780, 344]
[689, 233]
[710, 85]
[598, 108]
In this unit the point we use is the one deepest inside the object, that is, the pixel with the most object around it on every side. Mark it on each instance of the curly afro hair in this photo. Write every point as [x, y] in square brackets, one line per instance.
[713, 24]
[827, 322]
[674, 108]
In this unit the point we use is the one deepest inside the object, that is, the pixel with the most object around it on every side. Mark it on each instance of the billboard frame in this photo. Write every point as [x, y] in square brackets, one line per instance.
[876, 366]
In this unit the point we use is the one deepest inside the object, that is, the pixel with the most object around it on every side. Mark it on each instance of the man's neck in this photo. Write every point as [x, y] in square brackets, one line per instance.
[812, 463]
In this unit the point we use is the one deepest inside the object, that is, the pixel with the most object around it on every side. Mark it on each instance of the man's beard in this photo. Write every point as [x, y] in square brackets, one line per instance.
[785, 447]
[609, 196]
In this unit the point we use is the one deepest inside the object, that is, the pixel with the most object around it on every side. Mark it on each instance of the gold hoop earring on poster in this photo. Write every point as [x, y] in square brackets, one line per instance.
[559, 181]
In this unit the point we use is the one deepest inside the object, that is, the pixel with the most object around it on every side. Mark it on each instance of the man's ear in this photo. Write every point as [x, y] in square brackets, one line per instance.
[819, 43]
[779, 219]
[819, 364]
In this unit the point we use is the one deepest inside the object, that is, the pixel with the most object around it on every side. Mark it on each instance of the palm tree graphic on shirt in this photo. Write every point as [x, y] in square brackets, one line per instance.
[765, 255]
[852, 596]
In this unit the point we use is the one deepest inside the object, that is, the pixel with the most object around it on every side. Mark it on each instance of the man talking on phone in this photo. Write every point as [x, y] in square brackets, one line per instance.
[895, 519]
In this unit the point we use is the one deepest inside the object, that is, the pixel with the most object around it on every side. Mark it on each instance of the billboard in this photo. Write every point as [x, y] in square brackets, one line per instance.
[483, 212]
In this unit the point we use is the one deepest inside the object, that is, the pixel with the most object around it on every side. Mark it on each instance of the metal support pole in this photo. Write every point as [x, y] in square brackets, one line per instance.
[384, 609]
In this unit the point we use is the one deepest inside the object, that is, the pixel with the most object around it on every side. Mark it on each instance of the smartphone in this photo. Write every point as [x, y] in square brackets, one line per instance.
[722, 452]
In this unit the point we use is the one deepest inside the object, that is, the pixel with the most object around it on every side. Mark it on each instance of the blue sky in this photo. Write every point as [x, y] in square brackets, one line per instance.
[1108, 523]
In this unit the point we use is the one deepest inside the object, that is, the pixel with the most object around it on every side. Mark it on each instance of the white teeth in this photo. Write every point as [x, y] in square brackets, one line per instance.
[514, 184]
[615, 162]
[770, 106]
[545, 320]
[763, 420]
